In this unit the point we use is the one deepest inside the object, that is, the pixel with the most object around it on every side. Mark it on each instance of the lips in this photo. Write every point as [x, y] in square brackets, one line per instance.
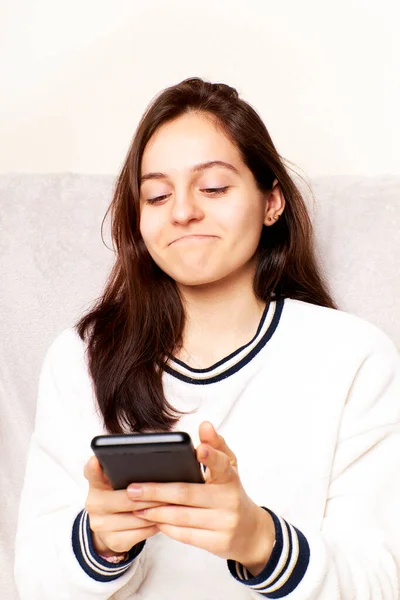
[193, 236]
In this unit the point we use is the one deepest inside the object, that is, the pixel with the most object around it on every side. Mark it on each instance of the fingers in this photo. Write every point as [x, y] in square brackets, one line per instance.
[184, 516]
[201, 538]
[190, 494]
[218, 463]
[208, 435]
[114, 501]
[187, 494]
[109, 500]
[95, 475]
[117, 522]
[111, 513]
[122, 541]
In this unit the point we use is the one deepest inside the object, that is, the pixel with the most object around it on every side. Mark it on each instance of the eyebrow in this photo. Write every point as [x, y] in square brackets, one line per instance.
[195, 169]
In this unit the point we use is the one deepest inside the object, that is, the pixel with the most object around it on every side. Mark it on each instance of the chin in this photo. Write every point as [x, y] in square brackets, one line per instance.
[196, 279]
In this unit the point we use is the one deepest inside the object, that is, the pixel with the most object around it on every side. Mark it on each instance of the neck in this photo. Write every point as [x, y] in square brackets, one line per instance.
[220, 317]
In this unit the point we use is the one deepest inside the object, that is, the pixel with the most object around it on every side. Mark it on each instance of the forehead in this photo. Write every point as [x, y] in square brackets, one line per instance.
[186, 141]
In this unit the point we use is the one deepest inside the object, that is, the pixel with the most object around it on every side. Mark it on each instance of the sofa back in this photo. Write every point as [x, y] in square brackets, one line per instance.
[54, 264]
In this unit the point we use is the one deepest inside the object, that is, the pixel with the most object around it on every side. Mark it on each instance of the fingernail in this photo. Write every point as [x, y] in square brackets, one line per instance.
[205, 453]
[134, 491]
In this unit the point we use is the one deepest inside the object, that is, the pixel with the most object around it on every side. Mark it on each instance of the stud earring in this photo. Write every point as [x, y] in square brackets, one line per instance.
[276, 217]
[269, 219]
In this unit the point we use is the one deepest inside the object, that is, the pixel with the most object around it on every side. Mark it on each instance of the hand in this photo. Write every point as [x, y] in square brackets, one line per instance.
[217, 516]
[114, 526]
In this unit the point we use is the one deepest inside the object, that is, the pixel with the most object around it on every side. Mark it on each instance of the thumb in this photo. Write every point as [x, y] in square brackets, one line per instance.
[95, 475]
[208, 435]
[219, 468]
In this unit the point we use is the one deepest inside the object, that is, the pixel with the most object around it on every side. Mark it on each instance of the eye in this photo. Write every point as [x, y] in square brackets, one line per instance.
[157, 199]
[212, 191]
[216, 191]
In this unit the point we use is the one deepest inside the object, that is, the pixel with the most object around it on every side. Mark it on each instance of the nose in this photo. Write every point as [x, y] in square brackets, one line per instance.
[185, 208]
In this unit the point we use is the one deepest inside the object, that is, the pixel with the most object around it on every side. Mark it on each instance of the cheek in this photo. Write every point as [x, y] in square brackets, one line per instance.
[245, 222]
[150, 227]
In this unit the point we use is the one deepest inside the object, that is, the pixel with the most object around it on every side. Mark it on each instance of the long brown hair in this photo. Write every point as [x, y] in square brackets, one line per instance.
[136, 325]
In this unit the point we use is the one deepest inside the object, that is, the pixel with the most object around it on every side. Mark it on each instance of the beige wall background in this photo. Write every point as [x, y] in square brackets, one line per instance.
[76, 75]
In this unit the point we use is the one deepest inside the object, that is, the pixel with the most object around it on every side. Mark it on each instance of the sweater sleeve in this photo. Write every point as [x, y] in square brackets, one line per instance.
[355, 554]
[286, 566]
[48, 560]
[91, 562]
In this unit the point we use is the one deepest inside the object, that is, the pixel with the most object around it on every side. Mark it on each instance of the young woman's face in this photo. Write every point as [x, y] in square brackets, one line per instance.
[200, 222]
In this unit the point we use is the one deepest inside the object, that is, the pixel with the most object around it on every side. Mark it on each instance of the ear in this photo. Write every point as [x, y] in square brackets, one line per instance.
[274, 204]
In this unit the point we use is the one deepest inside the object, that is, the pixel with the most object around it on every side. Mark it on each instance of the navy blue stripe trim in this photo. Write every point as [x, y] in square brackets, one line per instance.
[298, 572]
[273, 559]
[289, 556]
[221, 362]
[245, 360]
[299, 569]
[76, 546]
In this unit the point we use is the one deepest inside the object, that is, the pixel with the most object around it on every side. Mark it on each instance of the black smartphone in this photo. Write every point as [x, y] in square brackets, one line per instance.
[147, 457]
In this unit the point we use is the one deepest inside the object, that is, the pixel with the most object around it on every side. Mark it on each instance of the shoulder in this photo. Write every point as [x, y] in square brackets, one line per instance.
[326, 327]
[67, 343]
[65, 384]
[67, 340]
[67, 353]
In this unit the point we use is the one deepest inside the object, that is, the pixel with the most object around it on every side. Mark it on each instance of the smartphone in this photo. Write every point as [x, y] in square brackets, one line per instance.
[147, 457]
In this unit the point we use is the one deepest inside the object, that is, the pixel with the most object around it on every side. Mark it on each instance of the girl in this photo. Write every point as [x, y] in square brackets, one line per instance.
[215, 320]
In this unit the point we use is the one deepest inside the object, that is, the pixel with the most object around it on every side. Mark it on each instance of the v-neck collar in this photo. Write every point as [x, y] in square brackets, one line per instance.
[237, 359]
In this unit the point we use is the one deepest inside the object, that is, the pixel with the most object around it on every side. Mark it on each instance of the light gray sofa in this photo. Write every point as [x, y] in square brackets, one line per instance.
[53, 264]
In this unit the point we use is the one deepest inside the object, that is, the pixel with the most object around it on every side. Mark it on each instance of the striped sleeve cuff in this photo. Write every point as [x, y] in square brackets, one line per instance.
[286, 566]
[96, 567]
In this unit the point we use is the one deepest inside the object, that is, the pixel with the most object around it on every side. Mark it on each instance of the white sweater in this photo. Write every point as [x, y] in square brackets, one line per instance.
[311, 408]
